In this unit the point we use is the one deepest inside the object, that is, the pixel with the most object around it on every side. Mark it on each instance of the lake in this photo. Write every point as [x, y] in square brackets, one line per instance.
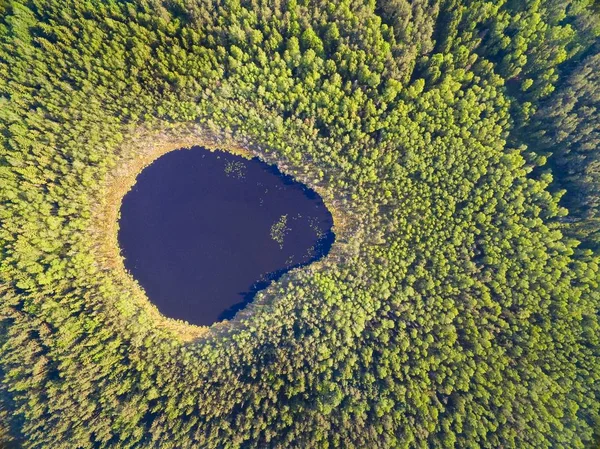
[203, 232]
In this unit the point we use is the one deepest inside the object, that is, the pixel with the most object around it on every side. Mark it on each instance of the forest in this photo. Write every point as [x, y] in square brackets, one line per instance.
[456, 142]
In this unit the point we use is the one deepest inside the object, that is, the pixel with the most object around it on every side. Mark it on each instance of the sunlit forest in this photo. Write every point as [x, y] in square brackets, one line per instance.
[455, 143]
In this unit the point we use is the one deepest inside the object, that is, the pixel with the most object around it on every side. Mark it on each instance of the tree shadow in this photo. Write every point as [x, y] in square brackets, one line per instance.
[322, 248]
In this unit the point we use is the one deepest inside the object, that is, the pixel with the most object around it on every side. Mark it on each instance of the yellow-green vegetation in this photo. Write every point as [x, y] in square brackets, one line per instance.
[457, 308]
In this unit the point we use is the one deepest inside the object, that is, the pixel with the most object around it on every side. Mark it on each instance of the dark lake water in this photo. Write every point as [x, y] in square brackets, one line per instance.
[203, 231]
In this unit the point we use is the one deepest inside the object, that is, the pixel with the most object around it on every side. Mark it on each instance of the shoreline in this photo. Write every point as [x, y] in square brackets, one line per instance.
[137, 153]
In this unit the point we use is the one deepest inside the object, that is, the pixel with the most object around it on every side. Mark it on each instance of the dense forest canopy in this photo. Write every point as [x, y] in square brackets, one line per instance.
[456, 142]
